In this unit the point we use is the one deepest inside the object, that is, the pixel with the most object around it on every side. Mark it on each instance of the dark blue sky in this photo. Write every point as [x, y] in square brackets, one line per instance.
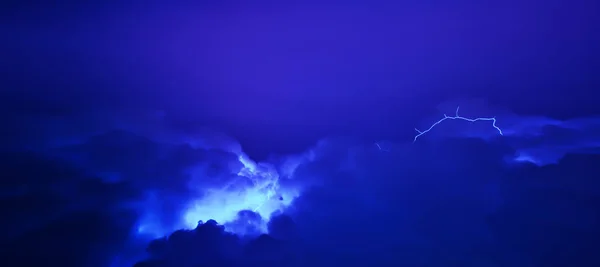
[271, 73]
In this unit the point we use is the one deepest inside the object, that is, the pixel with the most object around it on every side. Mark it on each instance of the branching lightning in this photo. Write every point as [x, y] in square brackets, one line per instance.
[457, 117]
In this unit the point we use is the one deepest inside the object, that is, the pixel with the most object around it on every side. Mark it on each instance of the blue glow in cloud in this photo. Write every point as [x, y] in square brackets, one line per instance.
[256, 188]
[457, 117]
[542, 141]
[185, 178]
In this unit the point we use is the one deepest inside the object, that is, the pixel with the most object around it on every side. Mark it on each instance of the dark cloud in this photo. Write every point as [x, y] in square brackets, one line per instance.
[457, 193]
[55, 213]
[471, 213]
[341, 201]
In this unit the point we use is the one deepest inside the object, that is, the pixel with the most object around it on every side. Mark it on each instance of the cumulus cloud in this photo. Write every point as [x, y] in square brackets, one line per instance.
[181, 184]
[399, 207]
[341, 201]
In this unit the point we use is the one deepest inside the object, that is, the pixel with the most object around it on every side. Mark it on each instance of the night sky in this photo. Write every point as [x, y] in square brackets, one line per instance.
[123, 122]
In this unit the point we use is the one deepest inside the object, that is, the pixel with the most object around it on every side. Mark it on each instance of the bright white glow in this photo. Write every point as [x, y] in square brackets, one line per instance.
[255, 188]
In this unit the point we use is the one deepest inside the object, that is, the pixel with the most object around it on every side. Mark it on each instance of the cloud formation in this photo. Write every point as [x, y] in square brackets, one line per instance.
[342, 200]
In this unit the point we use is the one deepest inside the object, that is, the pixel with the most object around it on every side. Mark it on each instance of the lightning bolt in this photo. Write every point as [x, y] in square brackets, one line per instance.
[270, 186]
[381, 148]
[264, 182]
[457, 117]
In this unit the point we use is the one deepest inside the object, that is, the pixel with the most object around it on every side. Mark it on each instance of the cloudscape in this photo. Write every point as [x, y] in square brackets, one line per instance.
[323, 133]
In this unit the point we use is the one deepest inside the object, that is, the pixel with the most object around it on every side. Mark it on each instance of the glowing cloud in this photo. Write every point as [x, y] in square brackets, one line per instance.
[256, 188]
[457, 117]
